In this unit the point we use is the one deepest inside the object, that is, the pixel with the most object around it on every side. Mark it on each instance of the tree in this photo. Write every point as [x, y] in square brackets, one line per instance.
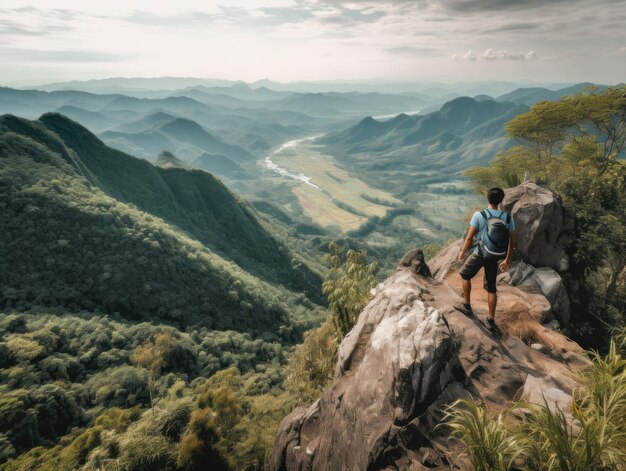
[347, 286]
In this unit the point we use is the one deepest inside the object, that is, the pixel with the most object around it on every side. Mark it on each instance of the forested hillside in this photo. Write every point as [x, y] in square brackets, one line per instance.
[194, 201]
[123, 284]
[77, 389]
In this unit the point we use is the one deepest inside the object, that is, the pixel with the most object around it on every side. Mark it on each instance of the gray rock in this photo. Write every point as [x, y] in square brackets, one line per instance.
[414, 260]
[553, 325]
[552, 287]
[553, 390]
[540, 347]
[544, 227]
[522, 273]
[549, 283]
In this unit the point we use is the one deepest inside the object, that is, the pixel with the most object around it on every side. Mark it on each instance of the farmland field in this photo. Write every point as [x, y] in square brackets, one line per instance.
[331, 196]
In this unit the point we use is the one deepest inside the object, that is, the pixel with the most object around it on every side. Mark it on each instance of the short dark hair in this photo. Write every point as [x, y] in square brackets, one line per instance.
[495, 195]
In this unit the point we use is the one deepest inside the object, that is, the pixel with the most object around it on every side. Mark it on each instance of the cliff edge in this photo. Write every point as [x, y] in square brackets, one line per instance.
[410, 354]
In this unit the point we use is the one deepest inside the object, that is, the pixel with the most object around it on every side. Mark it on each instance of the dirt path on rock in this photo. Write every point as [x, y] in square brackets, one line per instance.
[518, 313]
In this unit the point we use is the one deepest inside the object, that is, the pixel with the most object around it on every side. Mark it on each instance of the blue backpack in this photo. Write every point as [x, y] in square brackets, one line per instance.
[493, 240]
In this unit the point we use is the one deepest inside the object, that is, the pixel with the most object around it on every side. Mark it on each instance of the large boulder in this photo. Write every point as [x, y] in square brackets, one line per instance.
[545, 280]
[545, 228]
[409, 355]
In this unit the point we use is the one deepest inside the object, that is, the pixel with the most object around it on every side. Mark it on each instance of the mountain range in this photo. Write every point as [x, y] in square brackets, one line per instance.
[140, 85]
[406, 151]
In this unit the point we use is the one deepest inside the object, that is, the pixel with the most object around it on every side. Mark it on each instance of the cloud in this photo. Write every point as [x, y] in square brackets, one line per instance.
[285, 15]
[468, 56]
[61, 56]
[523, 26]
[13, 28]
[472, 6]
[493, 55]
[182, 19]
[413, 50]
[287, 39]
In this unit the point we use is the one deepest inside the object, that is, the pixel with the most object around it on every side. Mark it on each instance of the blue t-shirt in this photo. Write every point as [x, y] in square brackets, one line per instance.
[478, 221]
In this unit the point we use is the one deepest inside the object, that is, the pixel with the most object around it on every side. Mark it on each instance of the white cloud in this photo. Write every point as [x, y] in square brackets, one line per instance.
[495, 54]
[468, 56]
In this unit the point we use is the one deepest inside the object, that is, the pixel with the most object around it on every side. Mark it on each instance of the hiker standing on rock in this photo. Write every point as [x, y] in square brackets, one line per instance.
[495, 231]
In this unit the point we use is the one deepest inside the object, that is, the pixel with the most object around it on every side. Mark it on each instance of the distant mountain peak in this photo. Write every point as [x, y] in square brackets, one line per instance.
[402, 117]
[367, 121]
[461, 101]
[240, 86]
[166, 159]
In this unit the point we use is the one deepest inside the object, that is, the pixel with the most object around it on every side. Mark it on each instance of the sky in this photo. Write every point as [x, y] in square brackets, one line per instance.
[43, 41]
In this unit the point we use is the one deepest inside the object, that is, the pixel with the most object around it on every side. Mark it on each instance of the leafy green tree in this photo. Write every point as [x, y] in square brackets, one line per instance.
[347, 286]
[311, 367]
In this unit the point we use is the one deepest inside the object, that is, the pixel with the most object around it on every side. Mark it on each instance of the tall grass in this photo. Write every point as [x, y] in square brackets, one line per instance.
[489, 443]
[590, 435]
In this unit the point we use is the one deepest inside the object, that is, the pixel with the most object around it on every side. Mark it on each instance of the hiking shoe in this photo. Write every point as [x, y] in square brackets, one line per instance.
[490, 323]
[465, 309]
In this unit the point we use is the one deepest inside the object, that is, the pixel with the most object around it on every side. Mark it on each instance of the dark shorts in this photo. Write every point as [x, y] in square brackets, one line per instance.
[474, 263]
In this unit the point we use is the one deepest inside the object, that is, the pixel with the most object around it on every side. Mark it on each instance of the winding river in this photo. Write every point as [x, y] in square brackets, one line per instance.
[271, 165]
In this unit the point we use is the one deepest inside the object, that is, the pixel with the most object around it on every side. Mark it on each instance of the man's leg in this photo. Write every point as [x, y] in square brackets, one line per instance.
[468, 271]
[493, 301]
[467, 290]
[491, 274]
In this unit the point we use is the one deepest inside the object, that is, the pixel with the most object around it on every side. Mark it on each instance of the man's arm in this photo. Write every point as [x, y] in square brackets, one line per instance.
[504, 266]
[468, 242]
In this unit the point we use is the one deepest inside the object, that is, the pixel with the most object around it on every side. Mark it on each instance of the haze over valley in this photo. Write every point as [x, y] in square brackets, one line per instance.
[319, 157]
[232, 235]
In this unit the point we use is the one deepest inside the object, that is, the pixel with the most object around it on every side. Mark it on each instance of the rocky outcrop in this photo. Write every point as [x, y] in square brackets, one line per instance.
[394, 367]
[408, 356]
[411, 354]
[545, 235]
[414, 259]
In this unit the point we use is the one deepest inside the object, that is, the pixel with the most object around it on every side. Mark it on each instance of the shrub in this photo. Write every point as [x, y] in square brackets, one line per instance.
[347, 286]
[311, 367]
[200, 447]
[23, 349]
[145, 453]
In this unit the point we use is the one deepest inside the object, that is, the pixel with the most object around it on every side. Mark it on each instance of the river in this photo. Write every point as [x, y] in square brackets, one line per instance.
[271, 165]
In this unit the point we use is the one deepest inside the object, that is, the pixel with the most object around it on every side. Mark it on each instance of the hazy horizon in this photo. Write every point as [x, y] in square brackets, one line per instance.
[304, 40]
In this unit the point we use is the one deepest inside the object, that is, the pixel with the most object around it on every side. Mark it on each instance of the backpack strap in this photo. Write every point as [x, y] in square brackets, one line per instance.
[484, 215]
[508, 218]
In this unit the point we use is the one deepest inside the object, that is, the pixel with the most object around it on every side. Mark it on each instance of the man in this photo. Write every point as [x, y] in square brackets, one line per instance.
[496, 241]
